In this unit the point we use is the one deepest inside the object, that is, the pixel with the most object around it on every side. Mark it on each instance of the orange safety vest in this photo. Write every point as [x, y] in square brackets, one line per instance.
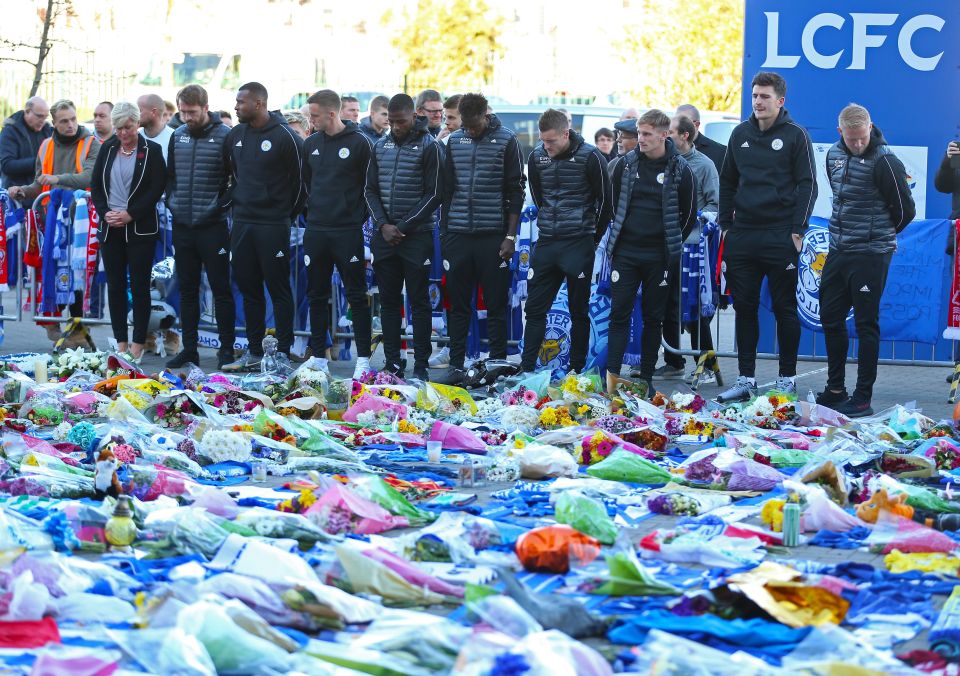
[46, 152]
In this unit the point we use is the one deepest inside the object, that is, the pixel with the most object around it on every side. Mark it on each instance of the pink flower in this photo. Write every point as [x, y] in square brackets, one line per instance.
[530, 397]
[161, 410]
[219, 400]
[604, 448]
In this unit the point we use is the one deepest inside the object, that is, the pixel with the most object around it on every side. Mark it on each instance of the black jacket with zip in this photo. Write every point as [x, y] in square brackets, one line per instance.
[266, 166]
[197, 176]
[871, 198]
[404, 180]
[146, 187]
[768, 179]
[335, 173]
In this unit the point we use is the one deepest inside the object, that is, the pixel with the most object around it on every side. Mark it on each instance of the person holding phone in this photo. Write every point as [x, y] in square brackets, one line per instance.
[948, 180]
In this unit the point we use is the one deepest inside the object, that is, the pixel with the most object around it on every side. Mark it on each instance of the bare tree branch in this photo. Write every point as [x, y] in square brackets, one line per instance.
[45, 45]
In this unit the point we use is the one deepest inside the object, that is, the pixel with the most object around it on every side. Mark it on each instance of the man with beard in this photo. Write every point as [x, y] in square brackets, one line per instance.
[197, 178]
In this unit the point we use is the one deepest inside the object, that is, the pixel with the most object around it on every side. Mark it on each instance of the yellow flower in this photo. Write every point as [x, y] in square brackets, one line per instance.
[582, 409]
[307, 498]
[519, 443]
[548, 416]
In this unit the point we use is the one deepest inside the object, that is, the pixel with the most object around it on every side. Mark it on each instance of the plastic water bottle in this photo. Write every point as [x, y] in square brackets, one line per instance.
[814, 411]
[466, 472]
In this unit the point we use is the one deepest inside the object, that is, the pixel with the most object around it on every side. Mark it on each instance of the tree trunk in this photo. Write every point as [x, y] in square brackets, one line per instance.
[43, 50]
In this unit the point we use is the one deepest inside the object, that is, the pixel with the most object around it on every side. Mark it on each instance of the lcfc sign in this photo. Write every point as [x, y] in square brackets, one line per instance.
[861, 31]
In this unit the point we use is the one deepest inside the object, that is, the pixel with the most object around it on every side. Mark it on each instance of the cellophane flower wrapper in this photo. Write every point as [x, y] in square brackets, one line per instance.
[375, 489]
[445, 399]
[183, 530]
[343, 510]
[627, 576]
[681, 503]
[368, 576]
[587, 515]
[321, 442]
[431, 643]
[894, 532]
[454, 437]
[148, 482]
[377, 405]
[275, 524]
[623, 465]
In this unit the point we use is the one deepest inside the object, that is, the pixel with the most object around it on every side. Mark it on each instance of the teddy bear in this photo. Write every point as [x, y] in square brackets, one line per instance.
[869, 511]
[105, 479]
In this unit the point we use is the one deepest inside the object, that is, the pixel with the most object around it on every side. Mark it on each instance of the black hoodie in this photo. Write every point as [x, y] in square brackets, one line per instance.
[768, 179]
[335, 173]
[267, 169]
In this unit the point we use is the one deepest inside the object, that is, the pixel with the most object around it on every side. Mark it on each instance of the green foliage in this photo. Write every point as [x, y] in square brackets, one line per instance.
[686, 53]
[450, 46]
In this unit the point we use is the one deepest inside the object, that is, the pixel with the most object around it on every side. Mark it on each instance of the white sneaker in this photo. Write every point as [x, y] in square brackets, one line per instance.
[363, 365]
[786, 385]
[708, 377]
[440, 360]
[744, 389]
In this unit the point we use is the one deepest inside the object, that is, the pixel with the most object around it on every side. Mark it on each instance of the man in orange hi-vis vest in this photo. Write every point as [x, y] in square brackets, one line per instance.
[64, 160]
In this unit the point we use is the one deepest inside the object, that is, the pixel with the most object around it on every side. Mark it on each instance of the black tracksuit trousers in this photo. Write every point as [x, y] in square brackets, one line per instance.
[632, 271]
[555, 261]
[750, 255]
[260, 254]
[341, 247]
[470, 260]
[196, 249]
[853, 280]
[406, 264]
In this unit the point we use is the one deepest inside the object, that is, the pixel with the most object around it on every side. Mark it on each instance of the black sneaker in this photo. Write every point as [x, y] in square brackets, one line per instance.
[395, 369]
[225, 355]
[180, 360]
[854, 408]
[830, 398]
[248, 362]
[421, 374]
[668, 372]
[453, 376]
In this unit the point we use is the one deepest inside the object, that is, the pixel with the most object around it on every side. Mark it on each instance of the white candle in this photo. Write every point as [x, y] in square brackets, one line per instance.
[40, 371]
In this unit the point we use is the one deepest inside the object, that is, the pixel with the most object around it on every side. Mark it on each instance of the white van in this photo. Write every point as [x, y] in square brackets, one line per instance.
[587, 120]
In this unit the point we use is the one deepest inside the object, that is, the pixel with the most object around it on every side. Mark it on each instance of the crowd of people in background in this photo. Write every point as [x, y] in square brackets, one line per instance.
[642, 191]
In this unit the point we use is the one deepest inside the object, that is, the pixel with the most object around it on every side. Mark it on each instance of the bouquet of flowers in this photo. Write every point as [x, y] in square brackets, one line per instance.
[596, 447]
[552, 417]
[678, 503]
[683, 402]
[141, 391]
[576, 386]
[523, 418]
[690, 425]
[372, 377]
[494, 437]
[175, 411]
[222, 445]
[490, 407]
[520, 396]
[233, 402]
[68, 362]
[945, 454]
